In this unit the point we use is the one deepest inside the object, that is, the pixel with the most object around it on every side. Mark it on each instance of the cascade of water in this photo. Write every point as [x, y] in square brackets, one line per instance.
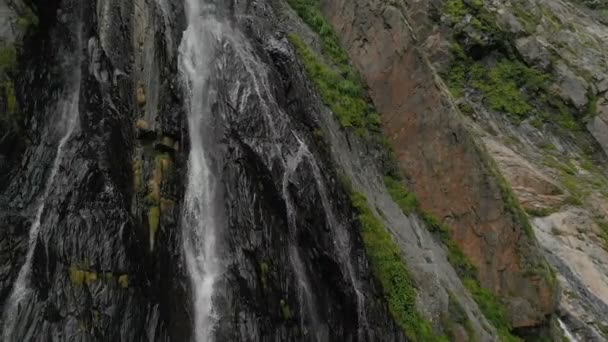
[305, 294]
[342, 242]
[66, 124]
[199, 219]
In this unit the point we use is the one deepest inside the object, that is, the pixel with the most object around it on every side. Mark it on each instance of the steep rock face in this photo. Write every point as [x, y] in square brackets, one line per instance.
[552, 149]
[89, 273]
[440, 158]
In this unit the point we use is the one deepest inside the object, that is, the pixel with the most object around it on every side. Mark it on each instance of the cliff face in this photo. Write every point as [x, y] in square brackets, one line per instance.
[203, 170]
[546, 138]
[446, 169]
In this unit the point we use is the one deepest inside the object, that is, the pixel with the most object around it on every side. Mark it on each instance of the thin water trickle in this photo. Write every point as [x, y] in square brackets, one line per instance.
[199, 219]
[65, 126]
[568, 334]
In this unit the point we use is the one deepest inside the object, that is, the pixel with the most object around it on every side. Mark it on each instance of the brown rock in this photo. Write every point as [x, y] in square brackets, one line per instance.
[448, 174]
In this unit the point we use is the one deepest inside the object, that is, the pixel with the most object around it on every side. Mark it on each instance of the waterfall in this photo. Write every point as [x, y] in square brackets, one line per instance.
[199, 218]
[67, 121]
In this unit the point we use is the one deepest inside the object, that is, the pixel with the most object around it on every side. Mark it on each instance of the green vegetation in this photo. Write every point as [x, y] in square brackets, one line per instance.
[481, 19]
[339, 85]
[503, 85]
[507, 84]
[539, 212]
[79, 276]
[390, 269]
[28, 20]
[123, 281]
[406, 200]
[457, 315]
[286, 310]
[153, 221]
[8, 58]
[492, 309]
[603, 224]
[343, 96]
[82, 275]
[8, 65]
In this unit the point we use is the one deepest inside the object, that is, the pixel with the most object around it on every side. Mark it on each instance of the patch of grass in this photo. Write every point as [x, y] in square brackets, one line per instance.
[492, 309]
[506, 84]
[390, 269]
[406, 200]
[603, 230]
[311, 14]
[338, 83]
[539, 212]
[456, 9]
[342, 95]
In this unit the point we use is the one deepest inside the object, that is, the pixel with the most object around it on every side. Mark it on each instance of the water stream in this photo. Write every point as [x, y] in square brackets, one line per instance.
[66, 122]
[567, 333]
[199, 219]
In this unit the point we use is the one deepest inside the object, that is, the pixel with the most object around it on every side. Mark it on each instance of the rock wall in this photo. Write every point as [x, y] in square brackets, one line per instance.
[447, 170]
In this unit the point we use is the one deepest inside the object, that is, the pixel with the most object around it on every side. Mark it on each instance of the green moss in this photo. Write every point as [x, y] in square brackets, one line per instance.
[342, 95]
[80, 277]
[8, 58]
[286, 310]
[390, 269]
[456, 9]
[11, 97]
[492, 309]
[123, 281]
[153, 221]
[502, 86]
[592, 105]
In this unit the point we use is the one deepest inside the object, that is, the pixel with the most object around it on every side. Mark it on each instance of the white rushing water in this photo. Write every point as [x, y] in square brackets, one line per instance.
[199, 219]
[67, 121]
